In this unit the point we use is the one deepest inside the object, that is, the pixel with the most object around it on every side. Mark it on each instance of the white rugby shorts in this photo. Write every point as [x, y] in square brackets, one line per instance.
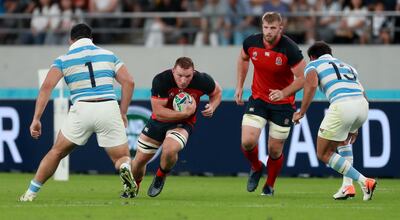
[102, 118]
[344, 117]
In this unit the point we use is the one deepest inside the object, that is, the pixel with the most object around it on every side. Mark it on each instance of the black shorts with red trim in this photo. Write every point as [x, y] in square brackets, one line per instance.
[157, 129]
[280, 114]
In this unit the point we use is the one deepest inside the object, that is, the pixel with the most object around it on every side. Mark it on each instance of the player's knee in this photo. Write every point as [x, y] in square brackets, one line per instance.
[274, 154]
[248, 143]
[170, 154]
[278, 132]
[57, 153]
[323, 155]
[139, 162]
[146, 146]
[178, 137]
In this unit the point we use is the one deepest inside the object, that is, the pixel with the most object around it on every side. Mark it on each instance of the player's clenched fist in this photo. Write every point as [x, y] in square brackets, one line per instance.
[36, 129]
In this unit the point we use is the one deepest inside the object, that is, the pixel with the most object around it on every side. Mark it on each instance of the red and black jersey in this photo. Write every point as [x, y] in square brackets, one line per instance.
[272, 66]
[164, 87]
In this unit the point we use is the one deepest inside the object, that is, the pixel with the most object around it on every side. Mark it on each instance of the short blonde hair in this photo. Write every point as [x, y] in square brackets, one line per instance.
[271, 16]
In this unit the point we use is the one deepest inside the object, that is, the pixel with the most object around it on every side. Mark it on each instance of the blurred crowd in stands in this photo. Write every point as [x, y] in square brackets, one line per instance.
[220, 22]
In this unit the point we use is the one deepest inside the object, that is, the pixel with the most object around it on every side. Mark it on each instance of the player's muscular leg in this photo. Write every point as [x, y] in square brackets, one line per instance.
[139, 164]
[141, 158]
[325, 148]
[250, 137]
[49, 163]
[277, 136]
[119, 154]
[275, 147]
[173, 143]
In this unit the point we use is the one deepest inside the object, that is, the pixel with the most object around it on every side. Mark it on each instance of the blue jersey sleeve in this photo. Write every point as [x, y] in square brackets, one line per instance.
[310, 66]
[57, 63]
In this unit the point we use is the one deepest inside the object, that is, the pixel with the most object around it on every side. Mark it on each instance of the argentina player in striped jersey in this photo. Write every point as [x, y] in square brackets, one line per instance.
[89, 72]
[339, 82]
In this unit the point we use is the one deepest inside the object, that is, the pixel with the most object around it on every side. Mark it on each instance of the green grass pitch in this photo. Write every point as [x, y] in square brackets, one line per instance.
[97, 197]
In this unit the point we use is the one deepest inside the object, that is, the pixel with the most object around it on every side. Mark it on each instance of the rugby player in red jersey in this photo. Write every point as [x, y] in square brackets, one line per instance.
[278, 75]
[168, 127]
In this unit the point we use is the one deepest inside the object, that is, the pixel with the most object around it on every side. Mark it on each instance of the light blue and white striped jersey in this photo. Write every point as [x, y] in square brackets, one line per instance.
[336, 79]
[89, 71]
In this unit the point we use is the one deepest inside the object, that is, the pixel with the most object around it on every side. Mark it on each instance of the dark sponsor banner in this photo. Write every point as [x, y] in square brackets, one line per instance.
[18, 151]
[214, 146]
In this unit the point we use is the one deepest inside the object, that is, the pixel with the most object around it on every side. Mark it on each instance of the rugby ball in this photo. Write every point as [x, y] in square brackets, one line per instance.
[180, 100]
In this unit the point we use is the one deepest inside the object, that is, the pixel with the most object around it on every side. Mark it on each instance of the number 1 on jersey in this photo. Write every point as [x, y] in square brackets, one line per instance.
[91, 73]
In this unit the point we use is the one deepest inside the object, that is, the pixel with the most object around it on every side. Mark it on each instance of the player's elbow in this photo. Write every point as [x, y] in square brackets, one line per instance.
[159, 115]
[218, 91]
[157, 112]
[129, 83]
[301, 81]
[46, 87]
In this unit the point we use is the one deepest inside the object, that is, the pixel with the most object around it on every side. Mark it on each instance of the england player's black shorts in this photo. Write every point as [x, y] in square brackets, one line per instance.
[280, 114]
[157, 130]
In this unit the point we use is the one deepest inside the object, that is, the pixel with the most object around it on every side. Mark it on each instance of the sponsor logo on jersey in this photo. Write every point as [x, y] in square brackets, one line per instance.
[254, 55]
[267, 54]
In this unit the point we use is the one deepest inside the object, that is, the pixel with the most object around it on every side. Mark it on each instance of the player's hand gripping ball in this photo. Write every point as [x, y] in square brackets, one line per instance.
[181, 100]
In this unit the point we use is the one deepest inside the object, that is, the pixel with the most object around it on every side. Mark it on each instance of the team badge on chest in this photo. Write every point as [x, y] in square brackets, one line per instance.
[278, 61]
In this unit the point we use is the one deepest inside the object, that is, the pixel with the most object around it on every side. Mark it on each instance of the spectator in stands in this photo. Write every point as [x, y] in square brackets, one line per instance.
[105, 7]
[10, 7]
[61, 24]
[162, 30]
[381, 25]
[80, 5]
[212, 23]
[327, 23]
[256, 7]
[353, 25]
[276, 6]
[238, 21]
[193, 24]
[40, 22]
[301, 28]
[135, 24]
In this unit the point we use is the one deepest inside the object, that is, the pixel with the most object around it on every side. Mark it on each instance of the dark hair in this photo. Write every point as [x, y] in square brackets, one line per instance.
[81, 31]
[318, 49]
[184, 62]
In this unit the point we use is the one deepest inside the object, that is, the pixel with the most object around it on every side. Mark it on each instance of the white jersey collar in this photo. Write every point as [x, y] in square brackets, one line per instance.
[80, 43]
[326, 57]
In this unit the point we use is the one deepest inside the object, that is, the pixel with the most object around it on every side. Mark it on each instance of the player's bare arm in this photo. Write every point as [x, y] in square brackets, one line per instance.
[163, 113]
[296, 85]
[53, 76]
[242, 69]
[127, 86]
[215, 100]
[310, 86]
